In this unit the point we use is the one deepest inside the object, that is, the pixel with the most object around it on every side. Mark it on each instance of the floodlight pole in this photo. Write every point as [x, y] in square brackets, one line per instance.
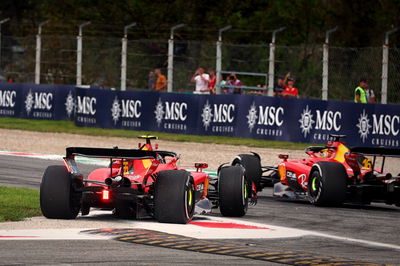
[325, 64]
[385, 65]
[79, 54]
[218, 66]
[2, 22]
[171, 57]
[124, 53]
[38, 51]
[271, 69]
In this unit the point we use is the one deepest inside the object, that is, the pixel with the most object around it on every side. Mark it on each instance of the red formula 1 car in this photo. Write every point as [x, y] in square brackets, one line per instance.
[140, 183]
[331, 175]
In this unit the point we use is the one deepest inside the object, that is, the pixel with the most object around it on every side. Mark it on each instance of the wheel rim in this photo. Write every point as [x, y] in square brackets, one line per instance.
[190, 197]
[314, 183]
[244, 191]
[314, 186]
[189, 201]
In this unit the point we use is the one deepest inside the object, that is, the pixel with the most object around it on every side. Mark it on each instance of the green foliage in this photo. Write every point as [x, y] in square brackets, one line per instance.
[18, 203]
[361, 23]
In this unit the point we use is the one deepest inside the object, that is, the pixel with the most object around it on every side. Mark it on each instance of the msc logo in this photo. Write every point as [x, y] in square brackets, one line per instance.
[384, 125]
[217, 113]
[86, 105]
[69, 104]
[38, 101]
[324, 120]
[130, 109]
[7, 98]
[265, 116]
[175, 111]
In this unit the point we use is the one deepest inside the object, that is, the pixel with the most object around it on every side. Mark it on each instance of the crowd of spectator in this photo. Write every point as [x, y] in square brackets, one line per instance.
[206, 82]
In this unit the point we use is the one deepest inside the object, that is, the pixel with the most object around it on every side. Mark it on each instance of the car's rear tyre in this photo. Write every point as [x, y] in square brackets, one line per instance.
[233, 191]
[174, 197]
[58, 200]
[252, 165]
[327, 184]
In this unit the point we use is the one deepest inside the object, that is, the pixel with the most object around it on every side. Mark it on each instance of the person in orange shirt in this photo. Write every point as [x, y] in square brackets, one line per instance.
[161, 83]
[290, 91]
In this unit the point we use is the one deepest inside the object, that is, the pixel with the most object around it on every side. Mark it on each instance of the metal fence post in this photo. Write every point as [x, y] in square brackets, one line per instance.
[1, 22]
[325, 64]
[271, 69]
[171, 57]
[218, 66]
[79, 55]
[38, 51]
[385, 65]
[124, 53]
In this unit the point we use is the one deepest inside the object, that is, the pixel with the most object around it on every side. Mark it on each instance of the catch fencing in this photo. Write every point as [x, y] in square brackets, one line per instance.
[102, 64]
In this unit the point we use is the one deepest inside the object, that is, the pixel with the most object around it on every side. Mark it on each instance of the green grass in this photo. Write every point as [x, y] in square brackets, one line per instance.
[18, 203]
[70, 127]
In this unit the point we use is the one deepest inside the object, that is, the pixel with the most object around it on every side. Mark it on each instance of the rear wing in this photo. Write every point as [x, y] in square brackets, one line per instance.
[376, 151]
[116, 153]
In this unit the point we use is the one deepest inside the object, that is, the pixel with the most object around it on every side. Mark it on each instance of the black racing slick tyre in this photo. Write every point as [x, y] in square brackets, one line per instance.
[327, 184]
[174, 197]
[252, 165]
[233, 191]
[58, 200]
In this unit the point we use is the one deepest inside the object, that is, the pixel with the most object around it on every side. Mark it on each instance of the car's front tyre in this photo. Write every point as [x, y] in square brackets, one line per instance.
[233, 191]
[327, 184]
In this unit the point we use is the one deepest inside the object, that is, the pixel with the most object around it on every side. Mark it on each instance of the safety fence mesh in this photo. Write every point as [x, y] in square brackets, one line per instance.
[101, 64]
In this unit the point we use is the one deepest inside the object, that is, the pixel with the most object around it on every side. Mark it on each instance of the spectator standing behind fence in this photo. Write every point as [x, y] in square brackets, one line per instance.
[161, 82]
[370, 94]
[151, 81]
[212, 82]
[232, 80]
[201, 79]
[279, 86]
[290, 91]
[360, 94]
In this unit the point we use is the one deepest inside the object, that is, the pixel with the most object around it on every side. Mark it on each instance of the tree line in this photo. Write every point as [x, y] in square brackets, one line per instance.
[360, 23]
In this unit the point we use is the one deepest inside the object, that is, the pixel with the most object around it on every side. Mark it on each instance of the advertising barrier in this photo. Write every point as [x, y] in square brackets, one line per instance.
[296, 120]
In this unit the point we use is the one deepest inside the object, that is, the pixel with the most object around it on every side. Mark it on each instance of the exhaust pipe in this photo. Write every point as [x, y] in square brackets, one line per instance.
[118, 180]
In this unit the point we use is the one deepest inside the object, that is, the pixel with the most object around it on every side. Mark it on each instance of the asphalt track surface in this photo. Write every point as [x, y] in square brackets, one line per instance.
[374, 225]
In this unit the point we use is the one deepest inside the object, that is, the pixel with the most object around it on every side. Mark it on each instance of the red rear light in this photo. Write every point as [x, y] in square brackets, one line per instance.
[106, 194]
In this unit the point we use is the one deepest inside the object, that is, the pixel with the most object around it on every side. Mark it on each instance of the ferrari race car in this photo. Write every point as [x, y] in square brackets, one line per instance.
[331, 175]
[138, 183]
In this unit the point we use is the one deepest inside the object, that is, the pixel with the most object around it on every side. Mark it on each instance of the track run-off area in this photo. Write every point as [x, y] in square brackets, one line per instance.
[272, 232]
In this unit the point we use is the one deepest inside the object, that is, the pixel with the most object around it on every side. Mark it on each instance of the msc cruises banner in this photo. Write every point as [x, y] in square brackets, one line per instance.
[297, 120]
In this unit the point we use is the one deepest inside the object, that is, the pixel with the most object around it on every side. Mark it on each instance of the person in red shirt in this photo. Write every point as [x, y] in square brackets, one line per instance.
[213, 80]
[290, 91]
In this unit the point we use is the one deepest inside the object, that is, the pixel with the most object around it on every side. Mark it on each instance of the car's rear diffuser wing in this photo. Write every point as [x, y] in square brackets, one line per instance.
[116, 153]
[376, 151]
